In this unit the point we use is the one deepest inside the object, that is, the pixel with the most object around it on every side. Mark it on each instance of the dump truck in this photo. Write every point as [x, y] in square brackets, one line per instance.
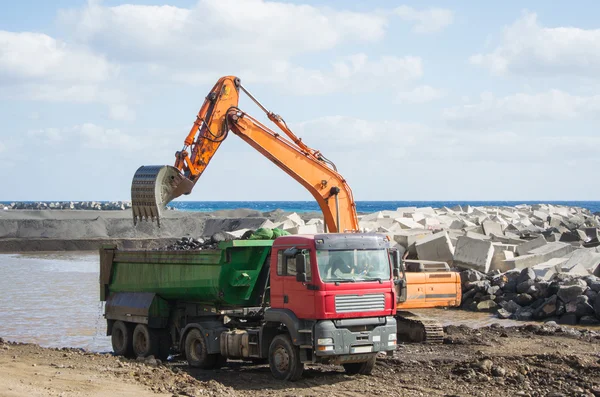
[325, 298]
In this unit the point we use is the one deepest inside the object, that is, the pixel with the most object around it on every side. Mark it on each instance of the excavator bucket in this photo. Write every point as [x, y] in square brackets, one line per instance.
[153, 187]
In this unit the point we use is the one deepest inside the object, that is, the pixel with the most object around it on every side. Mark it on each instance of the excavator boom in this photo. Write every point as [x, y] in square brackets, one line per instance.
[153, 187]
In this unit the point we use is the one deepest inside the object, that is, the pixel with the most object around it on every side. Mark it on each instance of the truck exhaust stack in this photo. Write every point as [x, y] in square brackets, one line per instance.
[153, 187]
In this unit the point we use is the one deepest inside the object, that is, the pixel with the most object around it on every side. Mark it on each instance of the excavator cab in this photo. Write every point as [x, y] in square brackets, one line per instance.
[153, 187]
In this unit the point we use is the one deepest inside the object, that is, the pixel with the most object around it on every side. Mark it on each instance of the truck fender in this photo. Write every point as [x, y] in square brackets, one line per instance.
[212, 340]
[286, 317]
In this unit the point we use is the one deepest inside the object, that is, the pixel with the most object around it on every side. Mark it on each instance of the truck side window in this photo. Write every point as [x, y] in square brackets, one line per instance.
[280, 271]
[287, 266]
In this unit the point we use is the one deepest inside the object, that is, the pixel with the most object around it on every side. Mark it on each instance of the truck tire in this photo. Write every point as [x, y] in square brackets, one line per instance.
[360, 368]
[151, 342]
[284, 359]
[196, 351]
[122, 338]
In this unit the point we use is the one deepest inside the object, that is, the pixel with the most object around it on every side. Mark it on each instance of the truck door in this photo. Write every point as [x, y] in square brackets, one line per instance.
[296, 295]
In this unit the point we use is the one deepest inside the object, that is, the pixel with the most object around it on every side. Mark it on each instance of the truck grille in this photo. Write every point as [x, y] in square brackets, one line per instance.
[359, 303]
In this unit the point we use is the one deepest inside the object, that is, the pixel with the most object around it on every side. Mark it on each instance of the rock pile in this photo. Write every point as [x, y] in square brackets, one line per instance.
[68, 205]
[523, 295]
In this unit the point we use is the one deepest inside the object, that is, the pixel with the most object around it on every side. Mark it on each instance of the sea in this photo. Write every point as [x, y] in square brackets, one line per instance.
[361, 206]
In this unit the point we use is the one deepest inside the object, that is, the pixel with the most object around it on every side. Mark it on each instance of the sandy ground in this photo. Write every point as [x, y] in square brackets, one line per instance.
[493, 361]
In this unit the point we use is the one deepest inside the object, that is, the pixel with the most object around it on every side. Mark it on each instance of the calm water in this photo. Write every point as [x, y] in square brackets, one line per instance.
[52, 299]
[361, 206]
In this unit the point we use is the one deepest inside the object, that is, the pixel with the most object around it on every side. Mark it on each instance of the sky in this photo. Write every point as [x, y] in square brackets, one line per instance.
[412, 100]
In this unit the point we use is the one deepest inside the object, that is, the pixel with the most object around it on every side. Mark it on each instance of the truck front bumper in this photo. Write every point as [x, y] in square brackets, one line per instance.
[354, 340]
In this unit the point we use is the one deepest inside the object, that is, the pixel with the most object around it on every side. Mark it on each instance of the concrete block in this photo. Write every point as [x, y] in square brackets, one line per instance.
[238, 233]
[408, 223]
[426, 210]
[500, 260]
[473, 253]
[268, 224]
[406, 210]
[457, 208]
[505, 247]
[541, 215]
[582, 235]
[477, 236]
[540, 255]
[588, 258]
[528, 245]
[549, 268]
[430, 223]
[417, 216]
[304, 229]
[491, 227]
[457, 224]
[372, 217]
[436, 247]
[315, 221]
[407, 238]
[475, 229]
[294, 217]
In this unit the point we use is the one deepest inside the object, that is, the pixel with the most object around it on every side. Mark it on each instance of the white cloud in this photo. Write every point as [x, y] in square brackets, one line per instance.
[214, 30]
[121, 112]
[191, 45]
[419, 95]
[46, 135]
[427, 20]
[35, 56]
[528, 48]
[546, 106]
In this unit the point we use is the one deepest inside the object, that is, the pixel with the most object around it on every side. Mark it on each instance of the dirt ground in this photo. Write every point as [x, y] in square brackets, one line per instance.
[531, 360]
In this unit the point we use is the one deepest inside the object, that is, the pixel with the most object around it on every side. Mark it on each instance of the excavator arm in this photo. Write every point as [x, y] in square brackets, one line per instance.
[153, 187]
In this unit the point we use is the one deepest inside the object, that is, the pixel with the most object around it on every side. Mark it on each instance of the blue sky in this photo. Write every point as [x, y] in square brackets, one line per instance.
[412, 100]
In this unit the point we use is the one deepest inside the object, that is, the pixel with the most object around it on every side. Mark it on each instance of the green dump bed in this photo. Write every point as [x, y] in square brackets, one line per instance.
[232, 276]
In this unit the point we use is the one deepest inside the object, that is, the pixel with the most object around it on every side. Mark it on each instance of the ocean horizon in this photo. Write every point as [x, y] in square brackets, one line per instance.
[361, 206]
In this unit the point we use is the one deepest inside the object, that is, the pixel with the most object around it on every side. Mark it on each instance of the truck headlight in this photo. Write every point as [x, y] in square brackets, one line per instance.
[392, 337]
[325, 341]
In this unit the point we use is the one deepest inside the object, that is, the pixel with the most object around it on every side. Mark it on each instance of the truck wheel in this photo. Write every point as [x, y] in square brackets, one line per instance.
[196, 351]
[151, 342]
[122, 338]
[360, 368]
[284, 359]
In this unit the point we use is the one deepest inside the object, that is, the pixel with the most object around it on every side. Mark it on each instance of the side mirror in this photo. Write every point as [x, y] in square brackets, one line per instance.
[301, 268]
[290, 252]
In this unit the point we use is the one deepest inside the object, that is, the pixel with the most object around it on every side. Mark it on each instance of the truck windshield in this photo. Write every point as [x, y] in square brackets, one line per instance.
[353, 265]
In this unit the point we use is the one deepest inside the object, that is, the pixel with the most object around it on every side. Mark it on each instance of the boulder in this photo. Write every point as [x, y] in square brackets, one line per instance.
[511, 306]
[589, 320]
[526, 274]
[568, 319]
[524, 286]
[569, 293]
[547, 309]
[487, 305]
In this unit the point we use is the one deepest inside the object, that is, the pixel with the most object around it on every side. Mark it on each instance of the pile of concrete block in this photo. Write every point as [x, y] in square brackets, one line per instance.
[494, 238]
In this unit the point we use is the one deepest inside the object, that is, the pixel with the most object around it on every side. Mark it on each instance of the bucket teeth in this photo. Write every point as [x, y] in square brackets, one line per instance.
[153, 187]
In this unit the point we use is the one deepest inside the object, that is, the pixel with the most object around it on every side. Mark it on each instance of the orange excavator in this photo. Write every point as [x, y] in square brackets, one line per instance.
[153, 187]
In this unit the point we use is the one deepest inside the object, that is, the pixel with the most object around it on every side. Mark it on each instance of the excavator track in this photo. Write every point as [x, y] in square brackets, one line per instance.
[413, 328]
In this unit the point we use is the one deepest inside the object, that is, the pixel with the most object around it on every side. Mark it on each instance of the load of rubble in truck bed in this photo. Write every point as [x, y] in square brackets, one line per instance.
[212, 242]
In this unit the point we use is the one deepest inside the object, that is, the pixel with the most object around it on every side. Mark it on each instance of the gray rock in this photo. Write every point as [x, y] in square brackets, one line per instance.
[568, 293]
[486, 306]
[595, 286]
[471, 275]
[511, 306]
[592, 295]
[584, 309]
[524, 314]
[589, 320]
[526, 274]
[524, 299]
[524, 286]
[469, 294]
[480, 286]
[498, 371]
[504, 314]
[597, 307]
[568, 319]
[493, 290]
